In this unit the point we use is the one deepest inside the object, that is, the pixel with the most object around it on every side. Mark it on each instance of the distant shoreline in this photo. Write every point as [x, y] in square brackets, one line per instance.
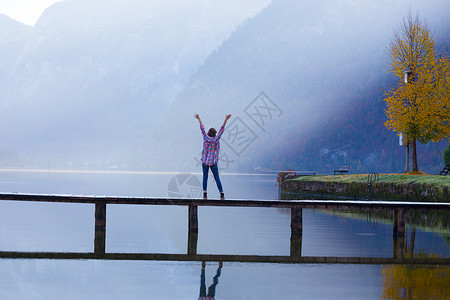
[68, 171]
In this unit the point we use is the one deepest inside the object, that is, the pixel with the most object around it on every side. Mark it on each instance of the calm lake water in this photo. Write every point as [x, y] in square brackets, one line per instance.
[59, 227]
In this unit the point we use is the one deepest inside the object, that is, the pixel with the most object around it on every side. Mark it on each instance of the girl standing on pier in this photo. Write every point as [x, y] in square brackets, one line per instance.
[210, 154]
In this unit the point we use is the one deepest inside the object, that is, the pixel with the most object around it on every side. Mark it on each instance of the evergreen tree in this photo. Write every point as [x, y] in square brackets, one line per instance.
[447, 154]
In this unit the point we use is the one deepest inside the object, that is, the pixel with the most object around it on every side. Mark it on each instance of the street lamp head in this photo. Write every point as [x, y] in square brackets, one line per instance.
[408, 75]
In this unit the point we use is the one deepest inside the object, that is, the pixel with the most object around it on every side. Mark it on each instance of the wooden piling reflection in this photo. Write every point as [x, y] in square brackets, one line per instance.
[398, 247]
[399, 222]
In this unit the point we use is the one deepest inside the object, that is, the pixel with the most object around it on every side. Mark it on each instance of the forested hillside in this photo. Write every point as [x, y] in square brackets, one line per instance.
[326, 67]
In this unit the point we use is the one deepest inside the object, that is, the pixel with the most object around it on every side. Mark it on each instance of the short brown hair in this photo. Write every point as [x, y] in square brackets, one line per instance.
[212, 132]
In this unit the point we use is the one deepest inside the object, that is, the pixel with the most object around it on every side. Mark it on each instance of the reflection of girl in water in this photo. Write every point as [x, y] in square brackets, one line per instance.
[212, 288]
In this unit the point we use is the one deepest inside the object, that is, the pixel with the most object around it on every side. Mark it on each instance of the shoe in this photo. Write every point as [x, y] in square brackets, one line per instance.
[222, 196]
[205, 195]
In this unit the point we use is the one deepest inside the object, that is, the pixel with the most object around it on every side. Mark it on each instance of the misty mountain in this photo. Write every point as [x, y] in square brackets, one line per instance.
[324, 64]
[13, 36]
[118, 82]
[91, 79]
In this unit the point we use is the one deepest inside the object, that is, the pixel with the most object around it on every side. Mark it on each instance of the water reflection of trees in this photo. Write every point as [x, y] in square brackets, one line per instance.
[419, 218]
[431, 220]
[416, 282]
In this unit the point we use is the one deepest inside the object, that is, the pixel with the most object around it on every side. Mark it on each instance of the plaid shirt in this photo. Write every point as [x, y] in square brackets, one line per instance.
[211, 147]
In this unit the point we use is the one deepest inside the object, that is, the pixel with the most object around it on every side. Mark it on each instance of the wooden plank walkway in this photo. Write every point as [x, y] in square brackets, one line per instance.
[296, 206]
[313, 204]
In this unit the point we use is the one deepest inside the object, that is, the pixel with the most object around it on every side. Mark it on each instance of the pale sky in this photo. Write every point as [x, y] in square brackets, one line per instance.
[25, 11]
[29, 11]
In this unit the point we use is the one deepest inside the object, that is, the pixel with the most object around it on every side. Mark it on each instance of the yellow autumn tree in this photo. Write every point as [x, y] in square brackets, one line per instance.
[419, 106]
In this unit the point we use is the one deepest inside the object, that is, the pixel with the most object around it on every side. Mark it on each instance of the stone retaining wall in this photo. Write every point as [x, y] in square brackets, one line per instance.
[380, 190]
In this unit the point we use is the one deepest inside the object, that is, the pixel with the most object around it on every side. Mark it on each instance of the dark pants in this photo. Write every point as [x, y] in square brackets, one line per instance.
[212, 287]
[215, 171]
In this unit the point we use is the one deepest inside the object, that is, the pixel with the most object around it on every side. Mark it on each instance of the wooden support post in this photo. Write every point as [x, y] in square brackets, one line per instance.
[100, 242]
[193, 229]
[100, 214]
[296, 220]
[399, 222]
[296, 246]
[193, 218]
[296, 232]
[100, 227]
[192, 242]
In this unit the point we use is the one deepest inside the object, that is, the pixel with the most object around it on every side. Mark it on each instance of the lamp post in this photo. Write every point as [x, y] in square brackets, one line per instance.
[403, 141]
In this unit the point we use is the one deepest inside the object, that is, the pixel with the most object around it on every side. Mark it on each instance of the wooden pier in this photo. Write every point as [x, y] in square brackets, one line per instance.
[296, 206]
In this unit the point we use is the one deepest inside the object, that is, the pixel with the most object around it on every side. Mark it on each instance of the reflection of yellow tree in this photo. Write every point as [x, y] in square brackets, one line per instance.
[416, 282]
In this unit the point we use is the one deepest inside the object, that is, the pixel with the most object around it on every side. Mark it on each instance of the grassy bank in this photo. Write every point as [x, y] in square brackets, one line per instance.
[388, 186]
[386, 178]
